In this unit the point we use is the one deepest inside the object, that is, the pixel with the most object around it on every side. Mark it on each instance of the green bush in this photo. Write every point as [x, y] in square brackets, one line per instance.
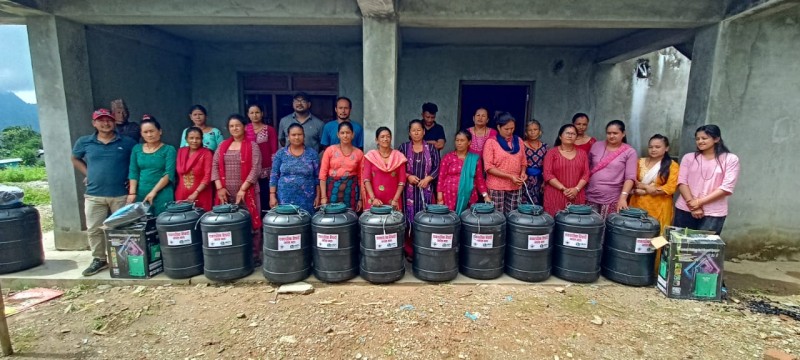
[20, 142]
[35, 195]
[23, 174]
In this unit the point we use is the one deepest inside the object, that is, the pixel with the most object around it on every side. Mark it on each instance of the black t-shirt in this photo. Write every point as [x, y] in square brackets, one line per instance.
[435, 133]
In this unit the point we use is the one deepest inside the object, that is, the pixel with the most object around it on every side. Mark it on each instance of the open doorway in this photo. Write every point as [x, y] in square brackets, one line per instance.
[497, 96]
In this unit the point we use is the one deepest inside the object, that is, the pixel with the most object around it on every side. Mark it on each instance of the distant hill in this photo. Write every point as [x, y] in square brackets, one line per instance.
[15, 112]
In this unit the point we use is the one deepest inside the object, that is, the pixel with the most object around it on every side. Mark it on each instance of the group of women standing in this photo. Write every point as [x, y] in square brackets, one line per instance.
[207, 169]
[487, 165]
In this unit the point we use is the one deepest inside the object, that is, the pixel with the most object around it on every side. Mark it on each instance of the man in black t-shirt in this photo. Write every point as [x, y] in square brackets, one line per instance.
[434, 133]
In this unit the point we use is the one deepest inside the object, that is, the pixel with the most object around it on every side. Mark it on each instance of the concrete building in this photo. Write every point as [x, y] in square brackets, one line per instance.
[390, 56]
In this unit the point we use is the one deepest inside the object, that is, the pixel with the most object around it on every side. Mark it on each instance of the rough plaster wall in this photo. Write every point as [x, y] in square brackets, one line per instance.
[755, 102]
[215, 70]
[433, 74]
[663, 95]
[151, 80]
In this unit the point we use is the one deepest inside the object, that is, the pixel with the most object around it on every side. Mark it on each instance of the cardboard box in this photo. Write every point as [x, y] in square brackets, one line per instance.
[691, 265]
[134, 251]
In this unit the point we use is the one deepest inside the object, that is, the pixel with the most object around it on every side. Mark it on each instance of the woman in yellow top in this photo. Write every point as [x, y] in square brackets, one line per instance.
[656, 181]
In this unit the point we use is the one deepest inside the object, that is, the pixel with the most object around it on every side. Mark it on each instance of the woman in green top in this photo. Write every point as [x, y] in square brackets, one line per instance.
[152, 169]
[212, 137]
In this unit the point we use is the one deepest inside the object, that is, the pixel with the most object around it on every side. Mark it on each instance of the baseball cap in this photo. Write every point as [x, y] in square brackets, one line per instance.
[102, 113]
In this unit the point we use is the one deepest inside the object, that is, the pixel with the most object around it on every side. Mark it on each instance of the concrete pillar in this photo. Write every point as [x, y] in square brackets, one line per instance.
[381, 50]
[64, 94]
[701, 77]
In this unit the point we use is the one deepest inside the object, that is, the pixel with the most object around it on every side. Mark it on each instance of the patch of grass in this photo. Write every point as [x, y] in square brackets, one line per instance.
[35, 195]
[24, 339]
[23, 174]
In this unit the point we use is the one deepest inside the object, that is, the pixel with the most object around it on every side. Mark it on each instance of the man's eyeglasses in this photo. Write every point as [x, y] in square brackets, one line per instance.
[300, 101]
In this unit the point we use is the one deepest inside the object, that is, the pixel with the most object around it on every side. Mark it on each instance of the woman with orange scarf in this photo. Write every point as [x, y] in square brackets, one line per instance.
[194, 171]
[236, 169]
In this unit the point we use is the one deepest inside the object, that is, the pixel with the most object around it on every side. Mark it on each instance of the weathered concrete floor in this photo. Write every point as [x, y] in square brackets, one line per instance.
[63, 269]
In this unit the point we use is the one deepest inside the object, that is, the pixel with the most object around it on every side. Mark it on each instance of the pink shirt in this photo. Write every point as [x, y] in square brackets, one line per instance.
[605, 186]
[494, 157]
[476, 146]
[704, 176]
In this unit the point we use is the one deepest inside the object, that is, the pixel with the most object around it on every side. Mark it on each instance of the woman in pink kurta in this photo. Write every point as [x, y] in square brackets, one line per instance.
[480, 132]
[504, 160]
[459, 187]
[706, 179]
[566, 172]
[340, 171]
[266, 138]
[383, 173]
[613, 171]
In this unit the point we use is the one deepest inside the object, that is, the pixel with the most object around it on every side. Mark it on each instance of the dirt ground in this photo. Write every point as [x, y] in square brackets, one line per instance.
[354, 321]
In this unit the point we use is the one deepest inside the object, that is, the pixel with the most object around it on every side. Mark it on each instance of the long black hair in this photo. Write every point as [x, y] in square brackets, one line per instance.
[621, 125]
[561, 131]
[714, 133]
[666, 161]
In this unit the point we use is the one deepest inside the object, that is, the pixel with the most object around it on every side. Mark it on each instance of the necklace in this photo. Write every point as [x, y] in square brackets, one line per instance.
[562, 149]
[649, 165]
[485, 130]
[387, 155]
[342, 151]
[293, 154]
[712, 171]
[530, 144]
[152, 149]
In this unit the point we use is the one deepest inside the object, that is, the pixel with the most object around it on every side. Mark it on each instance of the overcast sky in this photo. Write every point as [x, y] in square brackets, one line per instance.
[15, 62]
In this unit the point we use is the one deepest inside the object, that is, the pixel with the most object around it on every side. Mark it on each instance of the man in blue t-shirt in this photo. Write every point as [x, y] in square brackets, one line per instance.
[104, 158]
[434, 133]
[330, 133]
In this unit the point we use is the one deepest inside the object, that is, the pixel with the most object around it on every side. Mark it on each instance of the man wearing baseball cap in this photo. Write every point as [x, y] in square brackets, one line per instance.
[103, 157]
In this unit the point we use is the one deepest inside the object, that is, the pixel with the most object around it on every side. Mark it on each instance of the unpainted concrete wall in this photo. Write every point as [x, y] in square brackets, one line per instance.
[216, 68]
[432, 74]
[150, 80]
[754, 99]
[647, 106]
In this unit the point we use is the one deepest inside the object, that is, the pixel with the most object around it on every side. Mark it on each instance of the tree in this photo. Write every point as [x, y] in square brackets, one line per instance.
[20, 142]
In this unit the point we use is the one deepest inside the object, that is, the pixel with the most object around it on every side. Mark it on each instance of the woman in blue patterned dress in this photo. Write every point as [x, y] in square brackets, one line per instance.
[295, 170]
[535, 150]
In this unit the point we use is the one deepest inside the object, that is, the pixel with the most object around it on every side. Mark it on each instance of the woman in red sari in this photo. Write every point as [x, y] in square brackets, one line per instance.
[194, 171]
[235, 171]
[266, 138]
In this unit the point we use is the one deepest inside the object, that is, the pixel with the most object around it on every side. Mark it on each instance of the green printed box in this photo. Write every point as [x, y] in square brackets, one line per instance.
[134, 251]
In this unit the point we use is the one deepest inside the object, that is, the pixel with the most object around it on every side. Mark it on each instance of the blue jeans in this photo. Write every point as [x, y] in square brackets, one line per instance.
[684, 219]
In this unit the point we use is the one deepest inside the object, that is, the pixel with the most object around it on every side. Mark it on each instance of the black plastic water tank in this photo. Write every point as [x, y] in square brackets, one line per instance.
[436, 241]
[181, 240]
[287, 244]
[20, 238]
[628, 256]
[335, 251]
[578, 238]
[227, 243]
[483, 242]
[529, 248]
[382, 237]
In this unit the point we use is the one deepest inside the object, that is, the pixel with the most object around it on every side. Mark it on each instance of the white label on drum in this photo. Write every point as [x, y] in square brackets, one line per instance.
[388, 241]
[178, 238]
[537, 242]
[643, 246]
[482, 241]
[328, 241]
[576, 240]
[288, 242]
[442, 241]
[220, 239]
